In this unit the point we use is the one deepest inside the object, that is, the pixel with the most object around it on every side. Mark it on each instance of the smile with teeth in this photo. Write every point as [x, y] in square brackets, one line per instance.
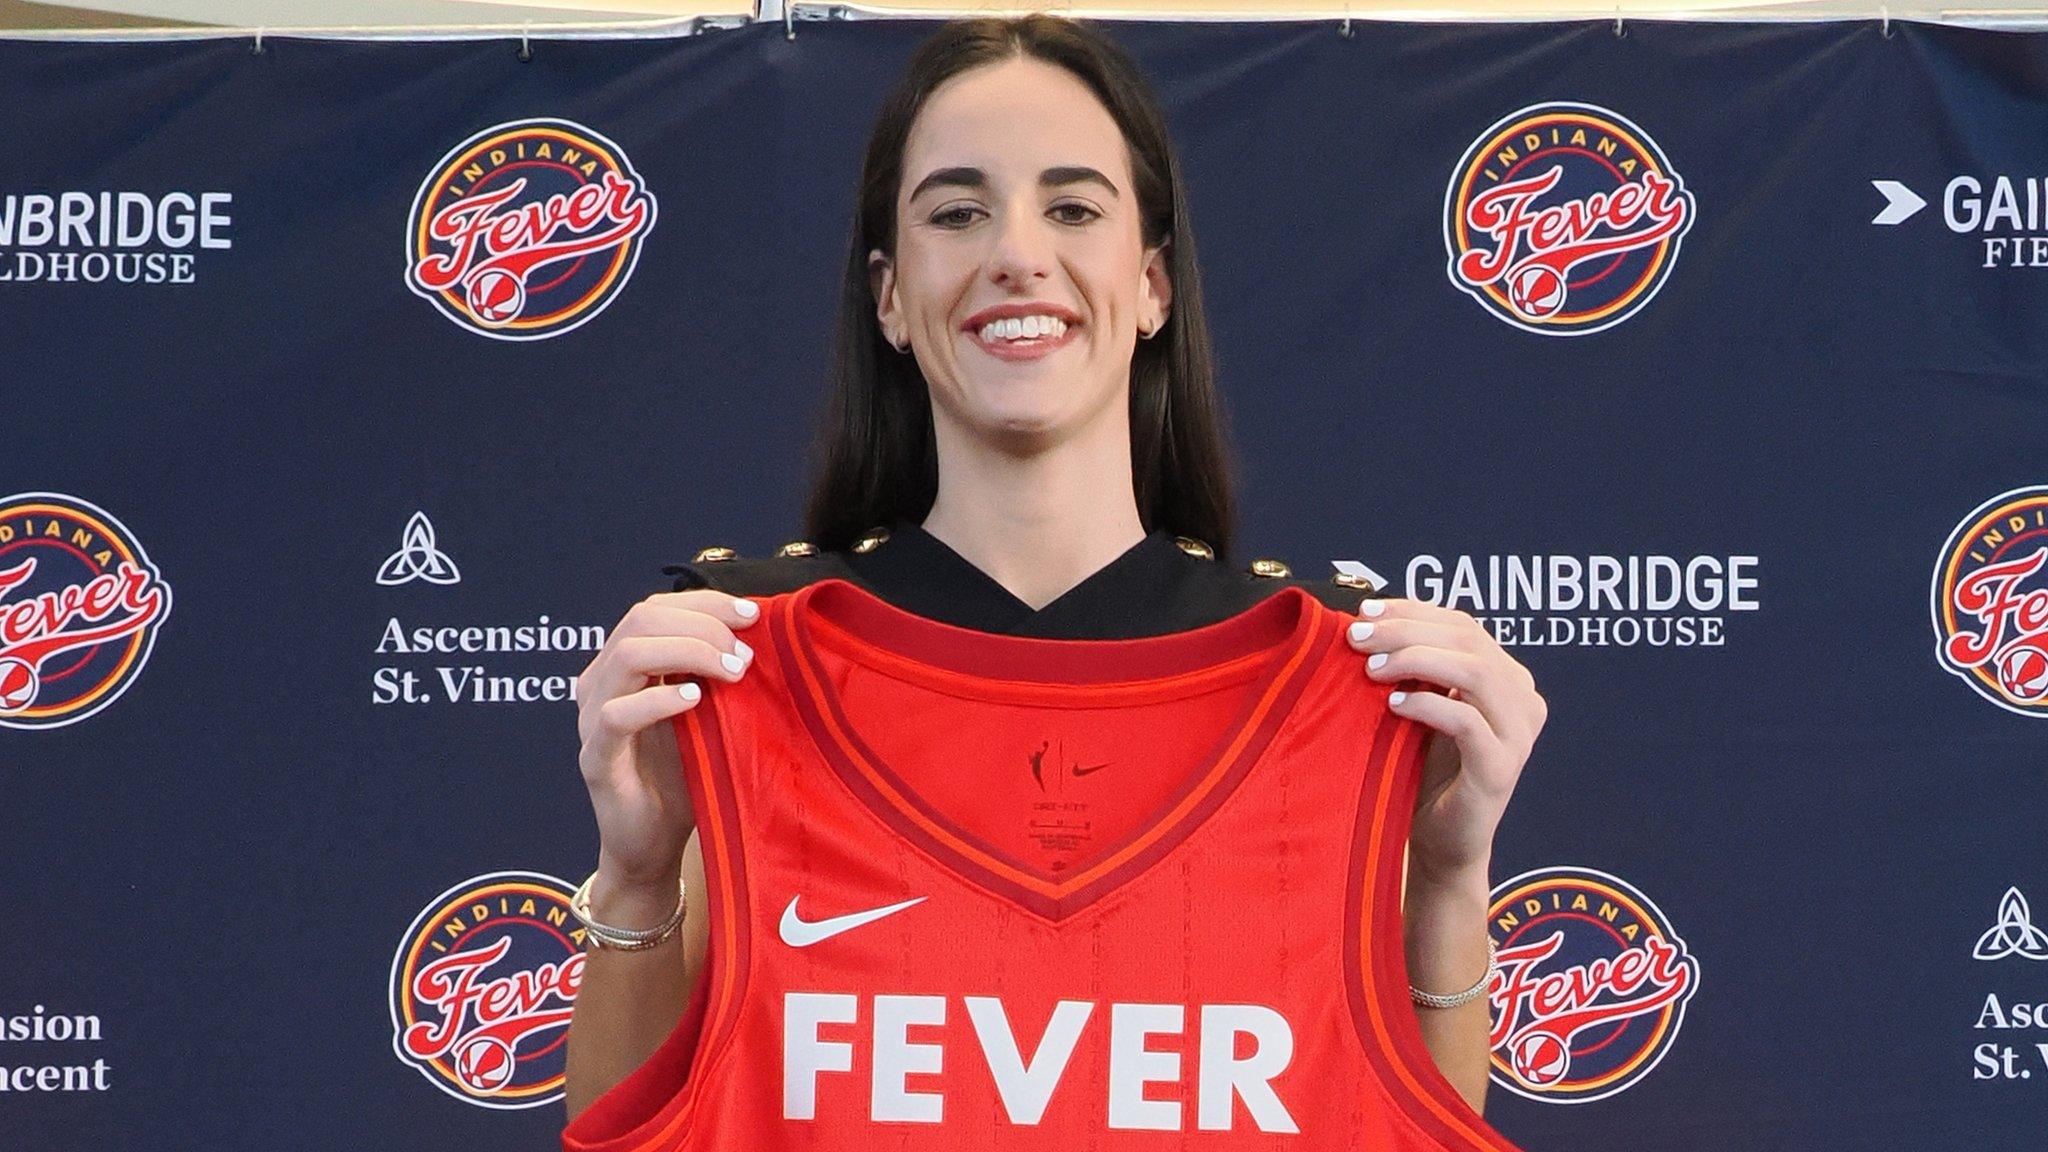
[1023, 328]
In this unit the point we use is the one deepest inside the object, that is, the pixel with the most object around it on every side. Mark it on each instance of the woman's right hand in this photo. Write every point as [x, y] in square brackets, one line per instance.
[629, 759]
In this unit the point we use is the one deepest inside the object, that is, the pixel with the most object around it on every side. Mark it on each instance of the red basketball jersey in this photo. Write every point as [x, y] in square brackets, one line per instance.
[973, 891]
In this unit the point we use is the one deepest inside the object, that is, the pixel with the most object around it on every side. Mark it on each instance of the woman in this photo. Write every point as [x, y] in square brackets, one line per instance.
[1025, 406]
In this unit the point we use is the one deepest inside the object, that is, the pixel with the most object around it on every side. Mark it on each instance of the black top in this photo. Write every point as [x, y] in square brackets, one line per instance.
[1159, 585]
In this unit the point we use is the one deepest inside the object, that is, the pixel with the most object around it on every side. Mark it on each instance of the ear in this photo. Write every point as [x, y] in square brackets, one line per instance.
[882, 281]
[1158, 286]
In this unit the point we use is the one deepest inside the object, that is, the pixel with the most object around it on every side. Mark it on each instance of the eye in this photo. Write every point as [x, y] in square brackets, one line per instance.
[960, 215]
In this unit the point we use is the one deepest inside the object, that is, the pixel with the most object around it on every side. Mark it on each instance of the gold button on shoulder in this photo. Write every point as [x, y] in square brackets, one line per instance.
[871, 541]
[1194, 547]
[1265, 566]
[715, 552]
[797, 548]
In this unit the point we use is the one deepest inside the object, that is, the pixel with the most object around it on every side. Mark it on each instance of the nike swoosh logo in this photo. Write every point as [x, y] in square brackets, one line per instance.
[1080, 771]
[798, 932]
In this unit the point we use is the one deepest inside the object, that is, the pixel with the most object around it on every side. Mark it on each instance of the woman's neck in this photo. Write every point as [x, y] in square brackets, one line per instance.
[1039, 524]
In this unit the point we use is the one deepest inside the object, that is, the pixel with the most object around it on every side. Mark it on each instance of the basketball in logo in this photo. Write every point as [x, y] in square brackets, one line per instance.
[80, 606]
[1990, 600]
[482, 988]
[527, 229]
[1589, 985]
[1564, 219]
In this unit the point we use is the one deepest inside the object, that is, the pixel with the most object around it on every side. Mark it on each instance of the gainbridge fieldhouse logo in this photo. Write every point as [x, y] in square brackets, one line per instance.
[482, 987]
[1990, 600]
[1589, 985]
[527, 229]
[80, 606]
[1564, 219]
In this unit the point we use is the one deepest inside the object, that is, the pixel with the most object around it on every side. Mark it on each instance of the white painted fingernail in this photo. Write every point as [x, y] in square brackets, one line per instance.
[1360, 630]
[740, 645]
[1377, 660]
[1396, 699]
[746, 608]
[733, 664]
[690, 691]
[1371, 608]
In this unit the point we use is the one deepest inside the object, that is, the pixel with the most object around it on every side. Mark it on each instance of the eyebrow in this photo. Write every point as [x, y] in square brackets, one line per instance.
[976, 178]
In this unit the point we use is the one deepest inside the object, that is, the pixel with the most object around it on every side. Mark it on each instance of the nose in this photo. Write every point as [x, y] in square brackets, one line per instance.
[1022, 248]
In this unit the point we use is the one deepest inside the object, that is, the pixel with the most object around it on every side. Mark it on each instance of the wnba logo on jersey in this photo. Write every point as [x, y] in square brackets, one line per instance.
[80, 605]
[527, 229]
[1990, 600]
[1564, 219]
[1589, 985]
[482, 987]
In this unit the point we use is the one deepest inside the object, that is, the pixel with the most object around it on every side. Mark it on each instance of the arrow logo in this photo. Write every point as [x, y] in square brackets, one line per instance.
[1900, 202]
[1358, 568]
[798, 932]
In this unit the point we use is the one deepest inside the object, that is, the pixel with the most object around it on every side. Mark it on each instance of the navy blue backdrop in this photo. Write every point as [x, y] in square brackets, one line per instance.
[1707, 364]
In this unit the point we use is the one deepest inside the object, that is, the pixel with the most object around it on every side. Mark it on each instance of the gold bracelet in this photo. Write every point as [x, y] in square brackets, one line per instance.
[605, 938]
[1432, 1000]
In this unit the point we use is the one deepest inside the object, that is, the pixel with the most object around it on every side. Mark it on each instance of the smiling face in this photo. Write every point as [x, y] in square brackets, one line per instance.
[1017, 206]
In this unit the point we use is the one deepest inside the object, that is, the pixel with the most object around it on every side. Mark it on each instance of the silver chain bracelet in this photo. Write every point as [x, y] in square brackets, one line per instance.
[1432, 1000]
[605, 938]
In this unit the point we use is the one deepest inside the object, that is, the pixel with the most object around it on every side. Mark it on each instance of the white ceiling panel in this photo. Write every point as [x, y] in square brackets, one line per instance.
[385, 15]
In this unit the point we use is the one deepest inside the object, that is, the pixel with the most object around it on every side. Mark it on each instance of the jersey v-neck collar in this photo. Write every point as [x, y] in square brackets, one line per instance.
[1284, 634]
[920, 573]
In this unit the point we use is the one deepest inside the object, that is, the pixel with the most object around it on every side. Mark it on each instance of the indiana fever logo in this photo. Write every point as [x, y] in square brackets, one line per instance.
[1564, 219]
[528, 229]
[80, 605]
[1990, 600]
[1589, 985]
[482, 986]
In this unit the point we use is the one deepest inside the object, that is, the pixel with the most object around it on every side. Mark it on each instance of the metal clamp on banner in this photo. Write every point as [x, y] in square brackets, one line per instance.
[792, 11]
[1884, 21]
[525, 49]
[1344, 28]
[258, 49]
[1619, 31]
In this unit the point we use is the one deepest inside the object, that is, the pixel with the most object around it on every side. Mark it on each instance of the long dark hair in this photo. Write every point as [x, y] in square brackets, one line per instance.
[875, 457]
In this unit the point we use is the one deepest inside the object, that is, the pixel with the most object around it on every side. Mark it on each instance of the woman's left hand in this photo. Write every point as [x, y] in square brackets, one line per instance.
[1480, 696]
